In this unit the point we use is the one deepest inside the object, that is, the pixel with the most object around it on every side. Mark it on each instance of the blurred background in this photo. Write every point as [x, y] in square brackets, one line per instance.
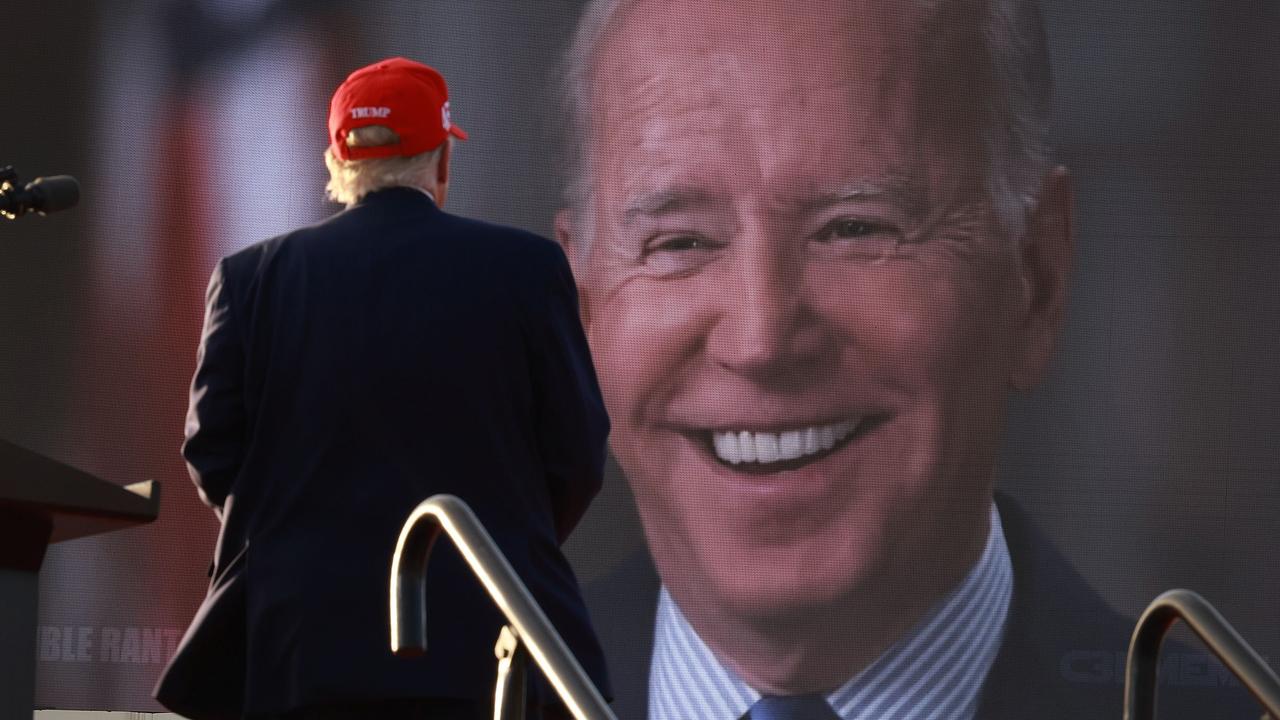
[196, 127]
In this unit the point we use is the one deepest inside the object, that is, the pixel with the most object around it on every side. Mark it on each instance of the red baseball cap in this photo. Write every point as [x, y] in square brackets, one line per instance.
[406, 96]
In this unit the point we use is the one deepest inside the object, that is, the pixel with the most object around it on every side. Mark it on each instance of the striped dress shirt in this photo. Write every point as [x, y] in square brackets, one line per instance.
[934, 672]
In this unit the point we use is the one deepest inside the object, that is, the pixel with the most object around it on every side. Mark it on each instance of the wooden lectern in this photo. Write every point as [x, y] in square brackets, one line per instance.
[41, 502]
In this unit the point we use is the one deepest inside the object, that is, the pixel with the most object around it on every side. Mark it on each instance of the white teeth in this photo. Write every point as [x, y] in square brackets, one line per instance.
[746, 446]
[727, 447]
[790, 446]
[827, 437]
[766, 447]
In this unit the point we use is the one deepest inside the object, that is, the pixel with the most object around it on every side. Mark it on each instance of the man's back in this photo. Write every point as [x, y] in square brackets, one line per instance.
[389, 353]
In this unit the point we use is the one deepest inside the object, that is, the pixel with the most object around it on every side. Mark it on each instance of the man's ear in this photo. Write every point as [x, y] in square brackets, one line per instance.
[442, 168]
[1046, 256]
[572, 246]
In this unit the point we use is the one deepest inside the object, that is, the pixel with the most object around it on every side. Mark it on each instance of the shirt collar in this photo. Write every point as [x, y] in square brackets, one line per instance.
[936, 670]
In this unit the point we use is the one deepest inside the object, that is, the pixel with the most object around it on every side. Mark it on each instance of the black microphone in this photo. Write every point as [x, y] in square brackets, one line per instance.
[42, 195]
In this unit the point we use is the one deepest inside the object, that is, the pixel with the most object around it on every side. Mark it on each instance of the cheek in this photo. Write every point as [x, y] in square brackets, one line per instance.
[941, 343]
[641, 335]
[923, 331]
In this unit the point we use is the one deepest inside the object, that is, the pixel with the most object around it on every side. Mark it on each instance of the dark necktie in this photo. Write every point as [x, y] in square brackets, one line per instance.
[791, 707]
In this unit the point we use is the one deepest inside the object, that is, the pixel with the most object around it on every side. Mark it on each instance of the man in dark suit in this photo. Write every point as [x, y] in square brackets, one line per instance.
[349, 370]
[819, 244]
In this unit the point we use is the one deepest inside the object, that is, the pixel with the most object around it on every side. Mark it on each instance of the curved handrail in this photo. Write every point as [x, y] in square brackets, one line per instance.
[409, 591]
[1206, 622]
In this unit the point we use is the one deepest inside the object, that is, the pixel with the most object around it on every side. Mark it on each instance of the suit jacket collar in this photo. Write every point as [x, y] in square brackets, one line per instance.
[1055, 617]
[399, 195]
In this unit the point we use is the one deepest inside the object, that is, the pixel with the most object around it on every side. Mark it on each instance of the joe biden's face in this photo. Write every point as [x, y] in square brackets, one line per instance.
[803, 308]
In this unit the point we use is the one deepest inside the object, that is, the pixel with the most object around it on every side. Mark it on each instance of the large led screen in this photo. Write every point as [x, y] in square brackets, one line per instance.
[938, 336]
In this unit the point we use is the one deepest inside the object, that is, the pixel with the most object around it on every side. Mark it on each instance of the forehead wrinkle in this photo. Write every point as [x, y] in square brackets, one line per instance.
[645, 62]
[789, 55]
[727, 38]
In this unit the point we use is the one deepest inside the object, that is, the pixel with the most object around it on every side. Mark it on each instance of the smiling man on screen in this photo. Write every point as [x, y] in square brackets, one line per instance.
[818, 244]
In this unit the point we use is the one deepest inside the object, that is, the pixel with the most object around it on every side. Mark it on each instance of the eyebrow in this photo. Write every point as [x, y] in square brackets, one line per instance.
[844, 193]
[666, 202]
[901, 190]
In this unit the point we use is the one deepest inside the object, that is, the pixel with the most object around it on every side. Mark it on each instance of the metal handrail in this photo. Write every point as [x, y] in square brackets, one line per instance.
[1144, 650]
[409, 592]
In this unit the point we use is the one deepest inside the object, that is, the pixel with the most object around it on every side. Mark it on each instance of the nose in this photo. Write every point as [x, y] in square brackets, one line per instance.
[767, 329]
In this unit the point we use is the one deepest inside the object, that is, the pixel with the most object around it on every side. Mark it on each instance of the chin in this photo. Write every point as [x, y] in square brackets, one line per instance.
[773, 588]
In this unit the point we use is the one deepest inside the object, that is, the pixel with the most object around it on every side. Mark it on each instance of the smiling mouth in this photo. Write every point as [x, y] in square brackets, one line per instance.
[770, 452]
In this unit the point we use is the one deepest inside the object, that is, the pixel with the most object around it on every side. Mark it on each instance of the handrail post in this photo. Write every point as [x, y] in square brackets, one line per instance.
[1142, 667]
[535, 632]
[409, 586]
[510, 692]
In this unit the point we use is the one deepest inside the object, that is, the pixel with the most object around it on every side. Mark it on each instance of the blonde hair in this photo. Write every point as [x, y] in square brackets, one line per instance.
[350, 180]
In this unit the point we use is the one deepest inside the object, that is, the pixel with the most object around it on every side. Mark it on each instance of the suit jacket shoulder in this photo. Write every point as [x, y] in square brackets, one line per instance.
[1065, 647]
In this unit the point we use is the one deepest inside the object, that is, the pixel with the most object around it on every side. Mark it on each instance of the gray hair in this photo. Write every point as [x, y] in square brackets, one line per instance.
[1015, 110]
[350, 180]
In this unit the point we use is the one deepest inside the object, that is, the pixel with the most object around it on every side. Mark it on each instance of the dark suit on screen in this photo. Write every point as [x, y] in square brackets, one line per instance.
[1061, 658]
[347, 371]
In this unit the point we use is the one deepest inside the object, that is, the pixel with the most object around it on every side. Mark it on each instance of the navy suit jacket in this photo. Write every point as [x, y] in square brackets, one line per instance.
[347, 371]
[1062, 657]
